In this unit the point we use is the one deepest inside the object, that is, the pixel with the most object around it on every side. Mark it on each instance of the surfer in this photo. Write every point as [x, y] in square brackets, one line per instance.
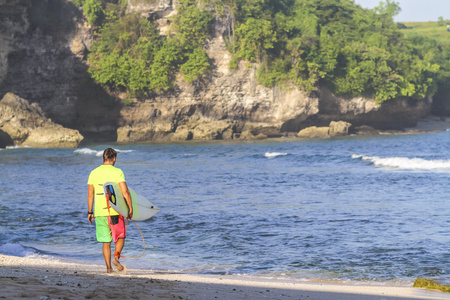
[109, 225]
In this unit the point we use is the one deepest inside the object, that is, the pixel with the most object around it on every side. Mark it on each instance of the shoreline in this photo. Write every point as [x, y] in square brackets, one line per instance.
[38, 278]
[429, 124]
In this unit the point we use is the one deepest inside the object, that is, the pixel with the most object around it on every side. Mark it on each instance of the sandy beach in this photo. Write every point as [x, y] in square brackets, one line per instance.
[37, 278]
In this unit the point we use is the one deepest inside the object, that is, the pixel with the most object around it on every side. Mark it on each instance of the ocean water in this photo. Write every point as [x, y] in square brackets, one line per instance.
[361, 209]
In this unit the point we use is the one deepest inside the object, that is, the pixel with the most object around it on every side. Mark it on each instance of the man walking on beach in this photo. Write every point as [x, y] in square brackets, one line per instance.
[109, 225]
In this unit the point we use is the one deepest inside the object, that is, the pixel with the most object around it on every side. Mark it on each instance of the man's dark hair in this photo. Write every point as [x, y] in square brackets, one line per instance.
[109, 154]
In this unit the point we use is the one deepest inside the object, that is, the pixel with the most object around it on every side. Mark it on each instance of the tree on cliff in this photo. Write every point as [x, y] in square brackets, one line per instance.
[337, 43]
[132, 56]
[354, 51]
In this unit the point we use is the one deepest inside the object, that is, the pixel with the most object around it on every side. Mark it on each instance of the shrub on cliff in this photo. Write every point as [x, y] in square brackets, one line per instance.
[123, 56]
[191, 24]
[93, 11]
[354, 51]
[132, 56]
[337, 43]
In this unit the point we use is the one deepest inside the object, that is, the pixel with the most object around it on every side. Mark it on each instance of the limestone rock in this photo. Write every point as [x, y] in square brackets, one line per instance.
[143, 132]
[25, 124]
[249, 135]
[339, 128]
[43, 57]
[314, 132]
[148, 7]
[212, 130]
[228, 134]
[183, 133]
[82, 40]
[53, 136]
[5, 139]
[41, 51]
[366, 130]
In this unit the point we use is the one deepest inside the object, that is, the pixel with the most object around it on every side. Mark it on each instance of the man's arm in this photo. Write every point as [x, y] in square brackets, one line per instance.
[90, 202]
[126, 194]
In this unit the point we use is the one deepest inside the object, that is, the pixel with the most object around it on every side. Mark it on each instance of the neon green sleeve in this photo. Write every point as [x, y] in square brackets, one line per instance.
[121, 176]
[91, 178]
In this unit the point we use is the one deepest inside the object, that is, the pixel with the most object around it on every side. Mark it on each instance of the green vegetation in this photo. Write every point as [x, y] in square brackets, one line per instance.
[433, 40]
[93, 11]
[307, 43]
[130, 54]
[431, 284]
[427, 29]
[353, 50]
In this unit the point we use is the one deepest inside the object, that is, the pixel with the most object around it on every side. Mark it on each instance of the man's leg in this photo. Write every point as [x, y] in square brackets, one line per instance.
[118, 234]
[118, 247]
[103, 233]
[107, 256]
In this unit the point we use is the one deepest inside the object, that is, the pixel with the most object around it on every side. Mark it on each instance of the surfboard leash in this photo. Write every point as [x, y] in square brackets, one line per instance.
[126, 230]
[143, 241]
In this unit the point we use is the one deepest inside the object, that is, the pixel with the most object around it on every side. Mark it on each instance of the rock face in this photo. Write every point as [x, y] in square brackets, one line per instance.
[25, 124]
[43, 52]
[340, 128]
[230, 104]
[150, 7]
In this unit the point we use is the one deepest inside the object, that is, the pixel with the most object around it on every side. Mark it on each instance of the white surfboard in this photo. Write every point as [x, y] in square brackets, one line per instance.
[142, 208]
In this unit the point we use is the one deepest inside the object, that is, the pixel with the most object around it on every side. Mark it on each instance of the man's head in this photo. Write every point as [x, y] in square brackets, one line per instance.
[109, 155]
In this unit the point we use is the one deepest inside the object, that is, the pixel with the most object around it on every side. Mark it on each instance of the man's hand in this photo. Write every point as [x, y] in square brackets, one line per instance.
[90, 218]
[90, 203]
[126, 194]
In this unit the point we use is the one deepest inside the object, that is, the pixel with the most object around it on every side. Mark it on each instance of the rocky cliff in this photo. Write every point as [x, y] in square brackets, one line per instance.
[43, 59]
[24, 124]
[43, 48]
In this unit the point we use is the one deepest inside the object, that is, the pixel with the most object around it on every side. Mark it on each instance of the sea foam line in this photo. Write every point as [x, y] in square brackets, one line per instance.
[405, 162]
[274, 154]
[16, 147]
[88, 151]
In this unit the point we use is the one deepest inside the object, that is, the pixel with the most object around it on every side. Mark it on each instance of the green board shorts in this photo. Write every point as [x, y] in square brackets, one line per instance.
[106, 232]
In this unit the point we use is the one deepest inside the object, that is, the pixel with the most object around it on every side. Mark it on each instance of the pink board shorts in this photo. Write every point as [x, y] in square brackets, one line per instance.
[118, 230]
[106, 232]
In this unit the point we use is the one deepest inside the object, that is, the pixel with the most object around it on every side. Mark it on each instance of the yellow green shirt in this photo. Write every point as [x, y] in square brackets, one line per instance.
[98, 177]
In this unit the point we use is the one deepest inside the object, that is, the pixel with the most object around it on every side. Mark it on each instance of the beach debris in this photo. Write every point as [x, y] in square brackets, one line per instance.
[431, 284]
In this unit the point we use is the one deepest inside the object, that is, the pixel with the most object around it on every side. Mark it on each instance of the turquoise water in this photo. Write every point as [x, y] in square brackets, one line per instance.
[360, 209]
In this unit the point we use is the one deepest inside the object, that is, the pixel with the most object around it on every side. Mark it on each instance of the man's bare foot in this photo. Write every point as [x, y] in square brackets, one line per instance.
[109, 271]
[117, 264]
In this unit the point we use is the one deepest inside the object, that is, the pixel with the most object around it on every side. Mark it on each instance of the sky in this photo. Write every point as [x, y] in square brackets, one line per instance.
[416, 10]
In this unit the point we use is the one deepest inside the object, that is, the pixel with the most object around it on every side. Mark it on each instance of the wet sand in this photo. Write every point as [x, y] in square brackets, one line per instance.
[37, 278]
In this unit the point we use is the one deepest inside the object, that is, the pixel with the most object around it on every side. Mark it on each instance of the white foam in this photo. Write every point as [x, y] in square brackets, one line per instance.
[122, 151]
[405, 162]
[16, 147]
[274, 154]
[87, 151]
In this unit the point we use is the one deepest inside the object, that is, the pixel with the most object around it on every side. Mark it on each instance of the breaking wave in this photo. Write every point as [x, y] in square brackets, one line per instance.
[274, 154]
[405, 163]
[87, 151]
